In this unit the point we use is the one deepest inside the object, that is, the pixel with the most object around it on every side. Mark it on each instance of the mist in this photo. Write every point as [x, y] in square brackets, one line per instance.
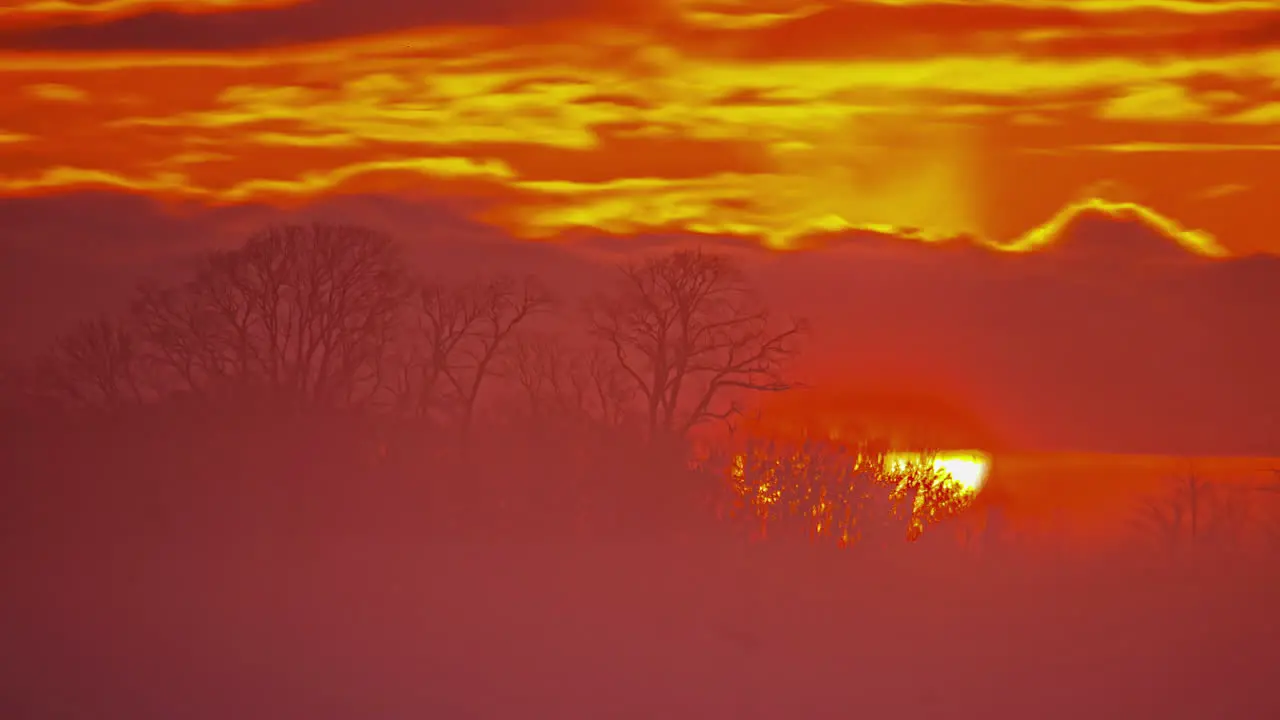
[302, 477]
[227, 567]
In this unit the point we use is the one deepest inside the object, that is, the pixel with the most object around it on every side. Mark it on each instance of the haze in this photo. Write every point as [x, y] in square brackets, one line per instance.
[685, 358]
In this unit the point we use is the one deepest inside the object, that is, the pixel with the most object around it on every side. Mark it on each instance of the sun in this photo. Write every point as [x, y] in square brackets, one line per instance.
[966, 468]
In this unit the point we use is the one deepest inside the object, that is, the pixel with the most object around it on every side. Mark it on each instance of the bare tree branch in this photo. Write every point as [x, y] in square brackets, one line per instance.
[461, 332]
[687, 331]
[96, 365]
[305, 313]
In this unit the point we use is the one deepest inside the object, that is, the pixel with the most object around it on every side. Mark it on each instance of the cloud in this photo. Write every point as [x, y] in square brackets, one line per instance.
[1095, 227]
[764, 121]
[1180, 147]
[1265, 114]
[1224, 190]
[765, 133]
[214, 25]
[1157, 102]
[55, 92]
[41, 12]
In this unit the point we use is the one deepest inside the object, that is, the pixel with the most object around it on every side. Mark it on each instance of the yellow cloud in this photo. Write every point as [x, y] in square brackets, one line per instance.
[1158, 101]
[1197, 241]
[642, 128]
[1175, 147]
[735, 14]
[1265, 114]
[316, 182]
[63, 176]
[56, 92]
[196, 157]
[177, 183]
[1224, 190]
[522, 107]
[329, 140]
[918, 175]
[12, 138]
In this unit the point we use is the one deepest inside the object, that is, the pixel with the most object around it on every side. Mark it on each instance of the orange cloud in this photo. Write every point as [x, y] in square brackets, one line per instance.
[43, 11]
[55, 92]
[767, 120]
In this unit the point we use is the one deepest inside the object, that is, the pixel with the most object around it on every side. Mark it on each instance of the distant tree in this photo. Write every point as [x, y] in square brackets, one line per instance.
[815, 488]
[305, 313]
[97, 365]
[1194, 512]
[601, 388]
[542, 366]
[459, 337]
[922, 494]
[829, 490]
[574, 384]
[687, 330]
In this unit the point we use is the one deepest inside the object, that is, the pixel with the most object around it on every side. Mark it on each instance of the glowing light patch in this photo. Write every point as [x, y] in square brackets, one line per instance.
[966, 468]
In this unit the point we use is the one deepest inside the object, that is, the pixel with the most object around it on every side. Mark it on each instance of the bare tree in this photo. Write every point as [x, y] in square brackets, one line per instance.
[184, 348]
[686, 329]
[96, 365]
[306, 313]
[602, 388]
[1195, 512]
[541, 368]
[461, 333]
[575, 384]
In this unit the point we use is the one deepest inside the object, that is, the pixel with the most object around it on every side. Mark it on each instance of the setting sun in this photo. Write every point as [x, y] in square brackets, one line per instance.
[966, 468]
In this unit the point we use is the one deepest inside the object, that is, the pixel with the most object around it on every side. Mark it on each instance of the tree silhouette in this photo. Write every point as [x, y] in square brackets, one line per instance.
[923, 494]
[460, 334]
[686, 329]
[96, 365]
[1194, 512]
[576, 385]
[822, 489]
[305, 314]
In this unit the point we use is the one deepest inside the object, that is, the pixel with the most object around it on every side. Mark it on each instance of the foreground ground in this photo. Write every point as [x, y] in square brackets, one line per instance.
[321, 628]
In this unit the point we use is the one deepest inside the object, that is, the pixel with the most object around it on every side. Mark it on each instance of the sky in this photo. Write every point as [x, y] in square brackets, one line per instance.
[770, 120]
[901, 143]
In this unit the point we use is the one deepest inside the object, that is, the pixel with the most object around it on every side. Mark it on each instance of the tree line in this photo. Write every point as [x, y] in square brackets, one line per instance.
[323, 318]
[334, 317]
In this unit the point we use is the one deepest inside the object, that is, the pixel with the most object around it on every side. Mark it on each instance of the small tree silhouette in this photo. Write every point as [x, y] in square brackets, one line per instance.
[98, 364]
[687, 330]
[461, 333]
[1194, 512]
[577, 385]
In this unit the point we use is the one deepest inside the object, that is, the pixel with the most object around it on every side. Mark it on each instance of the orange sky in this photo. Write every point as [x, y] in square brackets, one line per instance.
[769, 119]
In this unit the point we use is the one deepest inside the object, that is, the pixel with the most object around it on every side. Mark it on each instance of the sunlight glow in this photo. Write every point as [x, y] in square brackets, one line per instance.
[966, 468]
[829, 490]
[1050, 232]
